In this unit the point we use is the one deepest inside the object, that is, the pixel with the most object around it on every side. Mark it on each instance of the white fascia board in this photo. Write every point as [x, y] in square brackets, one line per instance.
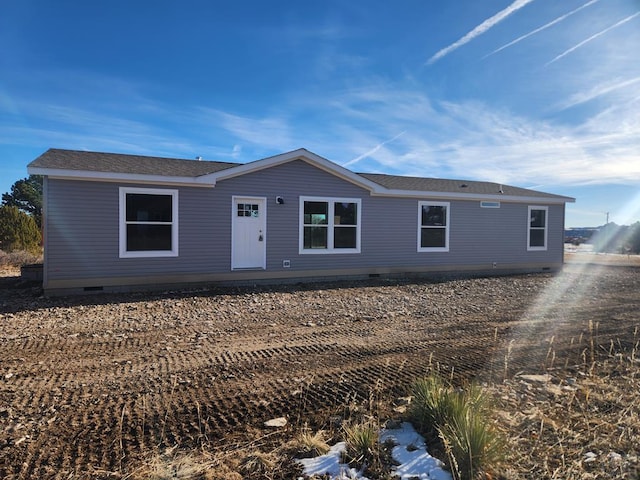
[117, 177]
[209, 180]
[300, 154]
[471, 196]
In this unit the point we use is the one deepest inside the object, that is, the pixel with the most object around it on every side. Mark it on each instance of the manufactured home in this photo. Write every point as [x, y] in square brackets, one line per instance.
[114, 222]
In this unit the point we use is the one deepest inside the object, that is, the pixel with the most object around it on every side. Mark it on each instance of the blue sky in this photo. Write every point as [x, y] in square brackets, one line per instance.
[540, 94]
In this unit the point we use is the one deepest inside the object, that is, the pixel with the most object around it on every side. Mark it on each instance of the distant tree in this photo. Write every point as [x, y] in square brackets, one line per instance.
[634, 238]
[26, 195]
[18, 231]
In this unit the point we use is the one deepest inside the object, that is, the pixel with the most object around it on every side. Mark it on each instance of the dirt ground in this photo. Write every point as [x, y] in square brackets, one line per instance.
[90, 386]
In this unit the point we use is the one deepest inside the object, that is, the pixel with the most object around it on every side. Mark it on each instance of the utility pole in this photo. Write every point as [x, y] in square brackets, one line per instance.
[606, 233]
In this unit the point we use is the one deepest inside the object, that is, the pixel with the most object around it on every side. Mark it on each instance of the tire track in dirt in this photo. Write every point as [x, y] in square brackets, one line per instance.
[229, 405]
[85, 398]
[360, 370]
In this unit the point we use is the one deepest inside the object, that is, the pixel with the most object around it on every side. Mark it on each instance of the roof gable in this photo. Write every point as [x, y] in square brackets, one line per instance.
[300, 154]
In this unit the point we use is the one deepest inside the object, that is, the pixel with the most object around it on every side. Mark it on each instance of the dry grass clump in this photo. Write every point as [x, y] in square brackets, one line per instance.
[575, 422]
[182, 466]
[462, 420]
[431, 404]
[238, 463]
[472, 444]
[363, 442]
[258, 465]
[308, 444]
[364, 450]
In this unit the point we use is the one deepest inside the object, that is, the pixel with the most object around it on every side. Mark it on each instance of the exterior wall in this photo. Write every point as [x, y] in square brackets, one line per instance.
[82, 237]
[83, 233]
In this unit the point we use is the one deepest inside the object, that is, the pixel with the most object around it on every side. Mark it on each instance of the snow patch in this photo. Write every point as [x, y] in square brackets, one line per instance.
[410, 452]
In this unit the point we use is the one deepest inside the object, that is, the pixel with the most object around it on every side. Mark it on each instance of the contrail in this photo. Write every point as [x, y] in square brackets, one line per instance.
[597, 92]
[544, 27]
[592, 37]
[480, 29]
[373, 150]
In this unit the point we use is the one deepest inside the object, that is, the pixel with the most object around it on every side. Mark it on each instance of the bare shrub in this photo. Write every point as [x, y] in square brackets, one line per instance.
[18, 258]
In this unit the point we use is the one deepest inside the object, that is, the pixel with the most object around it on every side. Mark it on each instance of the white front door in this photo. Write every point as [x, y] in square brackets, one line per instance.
[249, 233]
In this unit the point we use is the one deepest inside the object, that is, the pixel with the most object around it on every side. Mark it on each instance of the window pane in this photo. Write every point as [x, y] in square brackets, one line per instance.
[538, 218]
[344, 237]
[142, 237]
[345, 214]
[432, 237]
[536, 237]
[315, 237]
[316, 213]
[434, 215]
[148, 208]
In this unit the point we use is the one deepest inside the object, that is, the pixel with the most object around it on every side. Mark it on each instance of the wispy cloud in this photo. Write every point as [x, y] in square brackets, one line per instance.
[597, 91]
[593, 37]
[372, 151]
[474, 140]
[117, 124]
[461, 139]
[268, 132]
[480, 29]
[544, 27]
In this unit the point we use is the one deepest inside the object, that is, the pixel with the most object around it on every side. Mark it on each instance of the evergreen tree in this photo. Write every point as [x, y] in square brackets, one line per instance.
[634, 238]
[18, 231]
[26, 195]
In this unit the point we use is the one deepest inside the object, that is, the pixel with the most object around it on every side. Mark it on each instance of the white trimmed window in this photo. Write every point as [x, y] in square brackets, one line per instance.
[537, 228]
[433, 226]
[148, 222]
[329, 225]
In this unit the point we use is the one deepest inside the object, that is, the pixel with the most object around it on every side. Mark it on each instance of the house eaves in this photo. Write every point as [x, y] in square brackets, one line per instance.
[113, 167]
[473, 197]
[116, 177]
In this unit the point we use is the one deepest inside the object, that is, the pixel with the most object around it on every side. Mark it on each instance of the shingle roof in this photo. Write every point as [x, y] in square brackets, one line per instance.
[124, 164]
[128, 164]
[396, 182]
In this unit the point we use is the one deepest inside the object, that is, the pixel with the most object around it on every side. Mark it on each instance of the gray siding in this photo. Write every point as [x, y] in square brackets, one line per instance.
[82, 229]
[83, 233]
